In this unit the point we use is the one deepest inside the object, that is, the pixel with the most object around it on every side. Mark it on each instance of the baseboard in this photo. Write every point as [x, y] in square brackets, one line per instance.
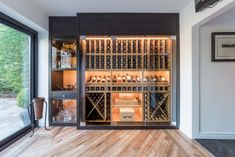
[214, 135]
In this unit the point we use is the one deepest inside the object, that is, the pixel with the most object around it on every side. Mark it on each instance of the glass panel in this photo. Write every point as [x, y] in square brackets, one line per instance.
[64, 54]
[14, 80]
[135, 73]
[64, 111]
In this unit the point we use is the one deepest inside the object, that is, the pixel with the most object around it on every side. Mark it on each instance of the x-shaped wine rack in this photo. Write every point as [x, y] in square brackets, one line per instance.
[95, 105]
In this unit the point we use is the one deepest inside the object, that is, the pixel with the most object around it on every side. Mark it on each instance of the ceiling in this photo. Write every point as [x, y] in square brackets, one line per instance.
[71, 7]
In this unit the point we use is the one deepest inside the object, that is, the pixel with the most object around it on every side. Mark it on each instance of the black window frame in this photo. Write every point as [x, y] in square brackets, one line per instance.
[10, 22]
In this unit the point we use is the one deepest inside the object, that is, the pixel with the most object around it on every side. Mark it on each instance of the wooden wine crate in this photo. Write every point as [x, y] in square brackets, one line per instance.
[127, 114]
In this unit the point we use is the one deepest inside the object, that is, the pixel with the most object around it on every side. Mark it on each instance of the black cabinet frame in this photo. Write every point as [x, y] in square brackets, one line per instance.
[117, 24]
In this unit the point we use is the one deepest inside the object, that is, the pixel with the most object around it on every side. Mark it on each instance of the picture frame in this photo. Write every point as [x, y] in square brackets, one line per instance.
[223, 46]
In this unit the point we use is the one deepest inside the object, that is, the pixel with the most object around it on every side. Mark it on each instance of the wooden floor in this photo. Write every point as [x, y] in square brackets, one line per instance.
[70, 142]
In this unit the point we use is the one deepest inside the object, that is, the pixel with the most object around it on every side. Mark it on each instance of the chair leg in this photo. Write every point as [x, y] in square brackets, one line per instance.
[31, 118]
[45, 123]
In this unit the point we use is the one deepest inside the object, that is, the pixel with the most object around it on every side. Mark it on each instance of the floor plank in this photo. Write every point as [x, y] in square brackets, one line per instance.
[70, 142]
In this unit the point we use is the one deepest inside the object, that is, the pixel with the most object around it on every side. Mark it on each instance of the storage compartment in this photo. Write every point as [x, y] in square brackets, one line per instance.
[63, 111]
[64, 80]
[63, 54]
[127, 107]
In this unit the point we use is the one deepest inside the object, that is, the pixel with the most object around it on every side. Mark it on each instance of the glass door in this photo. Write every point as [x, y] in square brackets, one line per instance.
[15, 81]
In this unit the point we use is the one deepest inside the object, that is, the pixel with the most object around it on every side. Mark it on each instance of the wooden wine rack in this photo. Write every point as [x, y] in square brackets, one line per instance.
[140, 57]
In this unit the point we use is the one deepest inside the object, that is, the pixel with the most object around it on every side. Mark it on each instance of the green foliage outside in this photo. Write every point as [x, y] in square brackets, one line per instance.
[23, 98]
[14, 64]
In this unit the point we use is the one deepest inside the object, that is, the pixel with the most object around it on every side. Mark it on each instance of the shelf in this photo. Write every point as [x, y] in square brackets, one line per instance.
[64, 94]
[98, 84]
[127, 106]
[63, 69]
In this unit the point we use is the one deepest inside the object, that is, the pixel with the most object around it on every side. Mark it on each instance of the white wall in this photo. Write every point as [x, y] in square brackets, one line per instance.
[30, 15]
[217, 83]
[43, 67]
[189, 63]
[25, 12]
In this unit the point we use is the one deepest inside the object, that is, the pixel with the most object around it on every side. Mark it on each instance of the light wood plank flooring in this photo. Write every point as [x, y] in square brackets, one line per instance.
[70, 142]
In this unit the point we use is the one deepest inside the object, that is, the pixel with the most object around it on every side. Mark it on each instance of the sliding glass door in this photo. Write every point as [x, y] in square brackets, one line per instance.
[16, 80]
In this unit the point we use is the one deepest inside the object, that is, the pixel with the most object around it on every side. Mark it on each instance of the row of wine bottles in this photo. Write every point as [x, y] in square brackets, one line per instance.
[127, 62]
[128, 88]
[127, 46]
[126, 79]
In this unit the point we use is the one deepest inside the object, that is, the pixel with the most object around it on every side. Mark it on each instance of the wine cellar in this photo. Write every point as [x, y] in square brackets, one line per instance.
[123, 80]
[127, 78]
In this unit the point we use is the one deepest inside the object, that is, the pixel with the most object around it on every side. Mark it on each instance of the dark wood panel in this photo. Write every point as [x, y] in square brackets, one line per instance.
[64, 94]
[128, 23]
[63, 26]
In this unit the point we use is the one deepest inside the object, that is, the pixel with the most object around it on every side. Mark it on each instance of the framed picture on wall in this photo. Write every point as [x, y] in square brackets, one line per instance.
[223, 46]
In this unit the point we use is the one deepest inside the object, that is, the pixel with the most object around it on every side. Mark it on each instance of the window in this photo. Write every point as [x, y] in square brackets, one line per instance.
[17, 77]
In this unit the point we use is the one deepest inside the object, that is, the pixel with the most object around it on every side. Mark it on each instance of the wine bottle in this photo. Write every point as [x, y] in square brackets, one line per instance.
[161, 61]
[108, 46]
[123, 78]
[124, 46]
[133, 79]
[151, 46]
[128, 78]
[124, 62]
[92, 62]
[139, 62]
[87, 62]
[119, 78]
[134, 46]
[58, 59]
[114, 62]
[99, 79]
[156, 46]
[103, 79]
[87, 46]
[129, 62]
[137, 78]
[89, 79]
[119, 46]
[129, 46]
[139, 46]
[151, 62]
[108, 64]
[119, 62]
[156, 62]
[97, 46]
[92, 46]
[134, 62]
[102, 46]
[114, 79]
[94, 79]
[108, 79]
[114, 46]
